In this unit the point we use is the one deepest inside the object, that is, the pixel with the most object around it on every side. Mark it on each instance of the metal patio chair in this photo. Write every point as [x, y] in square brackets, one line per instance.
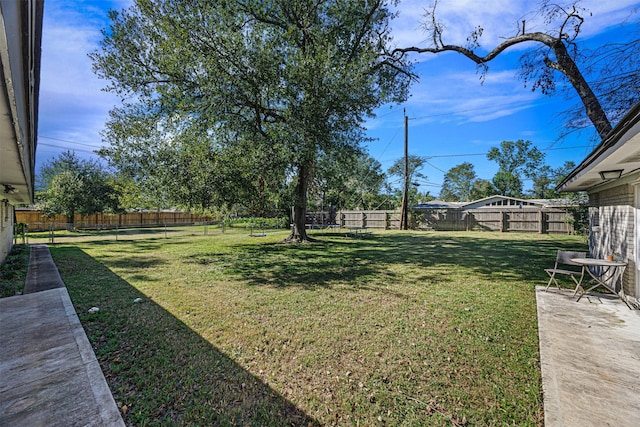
[563, 267]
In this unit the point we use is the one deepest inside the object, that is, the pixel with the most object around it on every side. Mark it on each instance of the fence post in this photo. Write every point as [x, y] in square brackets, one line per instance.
[540, 221]
[503, 222]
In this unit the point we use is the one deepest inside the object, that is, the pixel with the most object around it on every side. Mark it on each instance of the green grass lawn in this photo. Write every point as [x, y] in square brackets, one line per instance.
[401, 328]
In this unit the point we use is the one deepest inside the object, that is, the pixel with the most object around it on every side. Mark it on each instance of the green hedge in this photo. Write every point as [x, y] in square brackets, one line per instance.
[13, 271]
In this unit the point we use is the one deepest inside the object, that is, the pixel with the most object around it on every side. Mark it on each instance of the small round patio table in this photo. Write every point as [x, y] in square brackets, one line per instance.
[602, 272]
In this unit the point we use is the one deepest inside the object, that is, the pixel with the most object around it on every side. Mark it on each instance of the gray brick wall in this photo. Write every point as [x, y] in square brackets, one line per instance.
[611, 215]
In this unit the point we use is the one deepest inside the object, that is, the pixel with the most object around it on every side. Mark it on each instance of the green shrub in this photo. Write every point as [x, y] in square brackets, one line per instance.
[13, 271]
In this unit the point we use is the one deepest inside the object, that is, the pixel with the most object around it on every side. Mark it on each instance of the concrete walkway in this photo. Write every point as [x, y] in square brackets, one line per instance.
[43, 273]
[49, 375]
[590, 359]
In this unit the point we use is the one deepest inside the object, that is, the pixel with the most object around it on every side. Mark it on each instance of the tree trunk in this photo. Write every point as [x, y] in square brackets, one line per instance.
[298, 231]
[70, 223]
[567, 66]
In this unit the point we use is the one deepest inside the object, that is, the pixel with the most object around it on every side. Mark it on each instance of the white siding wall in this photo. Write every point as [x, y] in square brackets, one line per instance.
[6, 229]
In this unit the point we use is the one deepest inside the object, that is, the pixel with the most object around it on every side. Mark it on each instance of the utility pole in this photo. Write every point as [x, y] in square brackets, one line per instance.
[404, 215]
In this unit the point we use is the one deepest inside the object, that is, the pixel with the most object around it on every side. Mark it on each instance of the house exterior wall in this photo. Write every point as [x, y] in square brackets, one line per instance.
[612, 219]
[6, 229]
[20, 48]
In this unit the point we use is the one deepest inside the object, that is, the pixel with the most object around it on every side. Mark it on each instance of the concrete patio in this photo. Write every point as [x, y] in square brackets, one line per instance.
[590, 359]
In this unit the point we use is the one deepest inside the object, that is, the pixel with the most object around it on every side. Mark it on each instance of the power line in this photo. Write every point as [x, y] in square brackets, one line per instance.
[66, 148]
[387, 114]
[434, 166]
[68, 141]
[430, 184]
[484, 154]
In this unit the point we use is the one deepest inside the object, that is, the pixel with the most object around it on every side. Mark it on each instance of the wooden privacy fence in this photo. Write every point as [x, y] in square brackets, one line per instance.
[542, 220]
[37, 221]
[530, 220]
[384, 220]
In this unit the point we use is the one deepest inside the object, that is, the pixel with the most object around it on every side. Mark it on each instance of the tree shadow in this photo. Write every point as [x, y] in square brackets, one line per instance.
[354, 262]
[159, 368]
[306, 265]
[519, 256]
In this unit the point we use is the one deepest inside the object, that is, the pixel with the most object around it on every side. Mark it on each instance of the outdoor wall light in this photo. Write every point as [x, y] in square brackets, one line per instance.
[614, 174]
[9, 189]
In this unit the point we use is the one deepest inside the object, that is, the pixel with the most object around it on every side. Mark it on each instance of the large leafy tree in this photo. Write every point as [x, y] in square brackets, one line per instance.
[415, 164]
[546, 178]
[481, 189]
[354, 182]
[291, 79]
[66, 161]
[414, 169]
[556, 56]
[458, 183]
[516, 160]
[176, 162]
[507, 184]
[72, 185]
[131, 196]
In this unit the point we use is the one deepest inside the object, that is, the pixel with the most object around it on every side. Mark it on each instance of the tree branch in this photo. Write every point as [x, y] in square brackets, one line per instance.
[363, 29]
[529, 37]
[557, 43]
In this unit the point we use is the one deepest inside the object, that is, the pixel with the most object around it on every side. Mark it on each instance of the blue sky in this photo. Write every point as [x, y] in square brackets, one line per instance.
[452, 117]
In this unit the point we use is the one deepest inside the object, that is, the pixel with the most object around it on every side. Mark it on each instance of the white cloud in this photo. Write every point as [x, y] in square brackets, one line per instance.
[66, 67]
[459, 97]
[73, 106]
[498, 18]
[499, 113]
[459, 18]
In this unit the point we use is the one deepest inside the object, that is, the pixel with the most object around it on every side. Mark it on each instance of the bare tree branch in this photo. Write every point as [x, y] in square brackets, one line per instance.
[556, 43]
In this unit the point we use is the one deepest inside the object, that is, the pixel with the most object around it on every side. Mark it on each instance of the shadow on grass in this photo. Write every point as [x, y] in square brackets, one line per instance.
[156, 366]
[308, 266]
[357, 262]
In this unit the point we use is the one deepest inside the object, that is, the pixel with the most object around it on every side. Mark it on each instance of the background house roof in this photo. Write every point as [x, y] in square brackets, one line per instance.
[503, 201]
[496, 201]
[439, 204]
